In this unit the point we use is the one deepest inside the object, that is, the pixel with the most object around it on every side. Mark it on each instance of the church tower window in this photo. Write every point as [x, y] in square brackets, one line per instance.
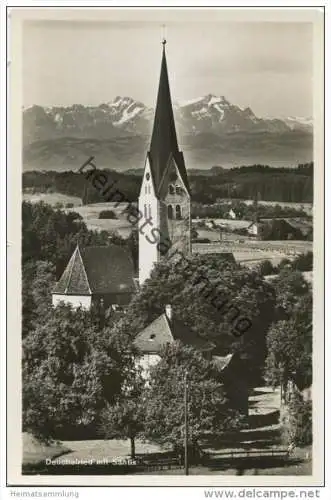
[145, 211]
[178, 190]
[171, 189]
[178, 212]
[170, 212]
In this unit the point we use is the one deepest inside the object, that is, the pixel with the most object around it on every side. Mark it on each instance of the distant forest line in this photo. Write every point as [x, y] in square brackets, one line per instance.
[246, 182]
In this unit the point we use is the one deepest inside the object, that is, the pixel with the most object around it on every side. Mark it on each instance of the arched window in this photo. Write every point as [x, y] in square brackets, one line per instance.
[145, 211]
[178, 190]
[170, 212]
[171, 189]
[149, 211]
[178, 212]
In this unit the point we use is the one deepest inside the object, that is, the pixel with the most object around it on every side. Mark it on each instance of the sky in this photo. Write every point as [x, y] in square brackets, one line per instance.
[267, 66]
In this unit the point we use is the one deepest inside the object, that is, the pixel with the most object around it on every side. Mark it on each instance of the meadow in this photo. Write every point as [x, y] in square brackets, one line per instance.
[245, 249]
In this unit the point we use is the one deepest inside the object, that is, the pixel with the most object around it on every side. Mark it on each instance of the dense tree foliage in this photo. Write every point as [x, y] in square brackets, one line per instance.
[275, 184]
[297, 422]
[219, 300]
[289, 339]
[38, 280]
[208, 409]
[290, 288]
[302, 262]
[71, 370]
[52, 235]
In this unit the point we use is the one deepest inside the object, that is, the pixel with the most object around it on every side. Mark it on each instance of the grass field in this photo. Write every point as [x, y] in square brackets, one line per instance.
[307, 207]
[251, 252]
[245, 250]
[34, 451]
[90, 214]
[52, 198]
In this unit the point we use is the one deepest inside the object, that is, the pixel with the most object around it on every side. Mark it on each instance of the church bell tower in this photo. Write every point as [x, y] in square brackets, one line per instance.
[164, 199]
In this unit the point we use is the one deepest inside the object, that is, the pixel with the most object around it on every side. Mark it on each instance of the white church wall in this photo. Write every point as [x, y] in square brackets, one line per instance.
[148, 235]
[76, 301]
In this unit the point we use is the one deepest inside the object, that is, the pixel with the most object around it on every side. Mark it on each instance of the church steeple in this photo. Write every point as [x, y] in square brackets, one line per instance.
[164, 199]
[164, 137]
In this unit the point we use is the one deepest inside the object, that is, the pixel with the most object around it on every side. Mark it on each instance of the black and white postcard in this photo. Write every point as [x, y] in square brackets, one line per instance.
[166, 247]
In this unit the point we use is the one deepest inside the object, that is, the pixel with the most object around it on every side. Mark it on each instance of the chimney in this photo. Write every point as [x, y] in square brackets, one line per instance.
[168, 311]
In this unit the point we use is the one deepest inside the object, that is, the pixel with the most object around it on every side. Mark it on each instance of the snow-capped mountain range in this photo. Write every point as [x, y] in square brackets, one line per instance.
[299, 122]
[205, 123]
[205, 114]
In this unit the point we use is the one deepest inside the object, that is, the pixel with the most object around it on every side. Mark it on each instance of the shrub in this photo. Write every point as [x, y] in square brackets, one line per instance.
[69, 205]
[297, 422]
[284, 264]
[304, 262]
[266, 268]
[107, 214]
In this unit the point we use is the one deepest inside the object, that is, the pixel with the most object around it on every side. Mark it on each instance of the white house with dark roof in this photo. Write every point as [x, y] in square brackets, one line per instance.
[166, 329]
[96, 275]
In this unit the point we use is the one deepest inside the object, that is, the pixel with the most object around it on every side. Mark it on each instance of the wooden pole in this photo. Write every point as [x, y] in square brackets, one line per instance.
[185, 426]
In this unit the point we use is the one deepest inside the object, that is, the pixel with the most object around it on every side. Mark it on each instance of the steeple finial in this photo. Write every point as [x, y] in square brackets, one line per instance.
[164, 40]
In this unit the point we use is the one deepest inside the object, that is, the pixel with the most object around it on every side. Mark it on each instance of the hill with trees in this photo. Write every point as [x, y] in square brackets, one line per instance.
[246, 182]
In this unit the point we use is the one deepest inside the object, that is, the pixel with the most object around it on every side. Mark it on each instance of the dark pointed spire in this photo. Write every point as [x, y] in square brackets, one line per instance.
[164, 138]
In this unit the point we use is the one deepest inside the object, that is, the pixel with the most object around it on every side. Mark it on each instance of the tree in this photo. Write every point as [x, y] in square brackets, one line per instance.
[303, 262]
[38, 280]
[289, 344]
[297, 422]
[208, 411]
[284, 264]
[266, 268]
[290, 286]
[107, 214]
[125, 418]
[71, 370]
[133, 245]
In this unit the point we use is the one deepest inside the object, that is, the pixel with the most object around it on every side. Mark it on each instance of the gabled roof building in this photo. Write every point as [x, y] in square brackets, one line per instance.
[167, 329]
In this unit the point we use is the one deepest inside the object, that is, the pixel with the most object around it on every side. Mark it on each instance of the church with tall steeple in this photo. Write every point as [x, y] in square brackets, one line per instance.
[164, 199]
[105, 276]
